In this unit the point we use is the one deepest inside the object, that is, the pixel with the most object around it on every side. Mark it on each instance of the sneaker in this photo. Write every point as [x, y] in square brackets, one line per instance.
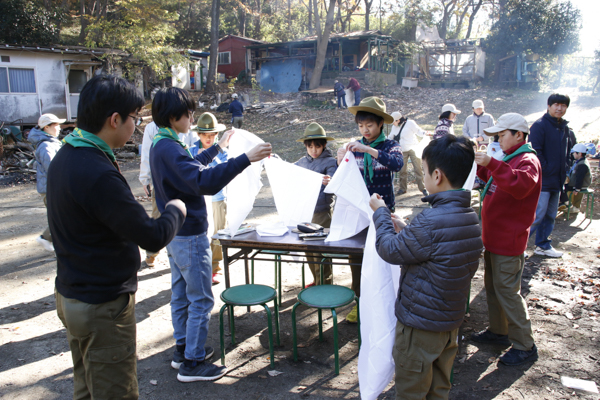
[518, 357]
[179, 358]
[215, 281]
[352, 316]
[309, 285]
[192, 371]
[490, 338]
[400, 192]
[575, 210]
[551, 252]
[425, 193]
[562, 207]
[46, 244]
[150, 260]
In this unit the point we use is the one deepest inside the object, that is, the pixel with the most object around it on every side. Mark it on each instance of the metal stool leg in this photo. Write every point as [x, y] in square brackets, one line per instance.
[294, 338]
[303, 282]
[569, 206]
[276, 321]
[358, 319]
[252, 276]
[320, 324]
[222, 333]
[231, 325]
[270, 327]
[335, 342]
[278, 266]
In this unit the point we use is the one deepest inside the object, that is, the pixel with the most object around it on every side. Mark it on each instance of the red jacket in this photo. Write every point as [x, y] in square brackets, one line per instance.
[353, 84]
[510, 203]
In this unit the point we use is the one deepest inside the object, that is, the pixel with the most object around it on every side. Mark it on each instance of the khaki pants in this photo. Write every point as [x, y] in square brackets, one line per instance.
[423, 362]
[575, 201]
[355, 271]
[155, 215]
[46, 234]
[102, 342]
[314, 259]
[219, 220]
[416, 162]
[506, 307]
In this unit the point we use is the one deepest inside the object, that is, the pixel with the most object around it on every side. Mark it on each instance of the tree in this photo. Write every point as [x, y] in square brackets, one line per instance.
[596, 69]
[322, 41]
[211, 84]
[24, 22]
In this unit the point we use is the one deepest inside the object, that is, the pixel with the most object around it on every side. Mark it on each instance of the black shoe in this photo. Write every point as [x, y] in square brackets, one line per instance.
[192, 371]
[425, 193]
[178, 357]
[518, 357]
[490, 337]
[400, 192]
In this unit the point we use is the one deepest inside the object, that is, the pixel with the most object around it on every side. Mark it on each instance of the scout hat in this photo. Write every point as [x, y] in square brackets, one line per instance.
[477, 104]
[47, 119]
[208, 123]
[374, 105]
[450, 107]
[314, 131]
[512, 121]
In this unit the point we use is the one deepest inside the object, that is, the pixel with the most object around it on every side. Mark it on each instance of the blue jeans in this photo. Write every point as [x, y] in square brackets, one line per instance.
[342, 99]
[191, 298]
[545, 214]
[357, 97]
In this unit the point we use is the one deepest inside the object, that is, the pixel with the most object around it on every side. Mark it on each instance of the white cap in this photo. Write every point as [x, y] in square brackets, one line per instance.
[579, 148]
[47, 119]
[478, 104]
[511, 121]
[397, 115]
[450, 107]
[234, 96]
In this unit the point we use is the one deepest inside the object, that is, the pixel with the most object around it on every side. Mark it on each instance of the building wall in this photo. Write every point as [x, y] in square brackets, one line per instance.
[281, 76]
[181, 75]
[238, 56]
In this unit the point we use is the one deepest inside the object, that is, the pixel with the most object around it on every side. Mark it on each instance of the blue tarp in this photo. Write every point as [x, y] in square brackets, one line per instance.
[282, 76]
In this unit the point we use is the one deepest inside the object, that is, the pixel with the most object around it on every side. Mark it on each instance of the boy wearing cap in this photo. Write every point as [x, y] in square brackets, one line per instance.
[377, 158]
[509, 202]
[405, 132]
[319, 159]
[44, 138]
[446, 121]
[176, 174]
[477, 122]
[236, 109]
[579, 177]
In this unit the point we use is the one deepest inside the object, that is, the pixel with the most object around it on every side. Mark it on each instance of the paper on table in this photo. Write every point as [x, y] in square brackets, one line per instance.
[276, 229]
[295, 202]
[351, 213]
[471, 178]
[242, 190]
[574, 383]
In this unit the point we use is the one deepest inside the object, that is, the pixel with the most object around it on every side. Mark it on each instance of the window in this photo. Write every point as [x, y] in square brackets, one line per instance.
[17, 80]
[77, 79]
[5, 59]
[225, 58]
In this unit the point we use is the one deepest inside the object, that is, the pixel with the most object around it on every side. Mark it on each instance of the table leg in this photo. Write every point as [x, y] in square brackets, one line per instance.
[247, 272]
[226, 265]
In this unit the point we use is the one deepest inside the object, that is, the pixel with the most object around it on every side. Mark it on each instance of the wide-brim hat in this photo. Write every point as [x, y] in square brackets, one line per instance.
[374, 105]
[511, 121]
[314, 131]
[207, 122]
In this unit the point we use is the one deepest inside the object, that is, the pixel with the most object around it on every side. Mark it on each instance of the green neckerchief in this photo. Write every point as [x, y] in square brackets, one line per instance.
[526, 148]
[168, 133]
[367, 159]
[81, 138]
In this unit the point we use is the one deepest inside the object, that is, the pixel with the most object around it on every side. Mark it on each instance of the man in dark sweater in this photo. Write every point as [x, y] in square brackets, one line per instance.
[236, 109]
[97, 226]
[549, 137]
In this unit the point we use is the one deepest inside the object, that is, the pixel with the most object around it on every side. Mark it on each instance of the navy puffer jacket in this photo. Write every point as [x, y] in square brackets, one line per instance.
[438, 253]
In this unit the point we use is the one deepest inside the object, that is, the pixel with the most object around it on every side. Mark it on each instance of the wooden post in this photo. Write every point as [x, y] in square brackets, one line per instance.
[341, 57]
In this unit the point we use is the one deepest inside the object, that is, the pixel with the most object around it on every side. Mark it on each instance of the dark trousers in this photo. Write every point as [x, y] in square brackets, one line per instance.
[342, 99]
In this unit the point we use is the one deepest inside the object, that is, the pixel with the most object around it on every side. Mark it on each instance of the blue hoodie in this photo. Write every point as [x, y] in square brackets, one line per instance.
[46, 147]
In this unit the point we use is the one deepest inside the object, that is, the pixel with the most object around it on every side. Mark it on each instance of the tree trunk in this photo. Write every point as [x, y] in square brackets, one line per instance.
[211, 77]
[310, 15]
[243, 18]
[257, 34]
[367, 13]
[84, 22]
[460, 22]
[448, 9]
[323, 41]
[472, 18]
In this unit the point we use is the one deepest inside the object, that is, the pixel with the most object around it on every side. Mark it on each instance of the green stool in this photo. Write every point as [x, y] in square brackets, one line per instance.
[328, 297]
[589, 209]
[277, 254]
[249, 295]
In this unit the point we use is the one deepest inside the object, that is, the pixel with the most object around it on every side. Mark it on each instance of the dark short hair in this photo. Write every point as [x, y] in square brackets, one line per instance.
[365, 116]
[453, 155]
[101, 97]
[559, 98]
[316, 142]
[445, 115]
[171, 103]
[514, 132]
[496, 138]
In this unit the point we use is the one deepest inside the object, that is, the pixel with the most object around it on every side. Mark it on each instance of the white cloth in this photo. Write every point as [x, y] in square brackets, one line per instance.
[350, 97]
[242, 190]
[495, 151]
[149, 132]
[471, 178]
[295, 190]
[276, 229]
[408, 138]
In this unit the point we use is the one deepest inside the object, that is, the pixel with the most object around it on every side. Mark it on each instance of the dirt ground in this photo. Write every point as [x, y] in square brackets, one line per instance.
[563, 295]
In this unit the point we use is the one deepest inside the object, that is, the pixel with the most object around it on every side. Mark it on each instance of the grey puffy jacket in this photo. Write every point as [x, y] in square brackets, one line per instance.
[46, 147]
[439, 254]
[325, 164]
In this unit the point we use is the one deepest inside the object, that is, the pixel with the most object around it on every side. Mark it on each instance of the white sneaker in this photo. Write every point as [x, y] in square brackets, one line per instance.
[46, 244]
[575, 209]
[551, 252]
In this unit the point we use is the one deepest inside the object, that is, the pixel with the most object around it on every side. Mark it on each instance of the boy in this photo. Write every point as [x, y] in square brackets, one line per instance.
[377, 158]
[579, 177]
[177, 174]
[509, 203]
[97, 226]
[319, 159]
[439, 254]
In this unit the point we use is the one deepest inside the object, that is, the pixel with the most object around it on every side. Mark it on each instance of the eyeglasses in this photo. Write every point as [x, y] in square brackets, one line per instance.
[136, 120]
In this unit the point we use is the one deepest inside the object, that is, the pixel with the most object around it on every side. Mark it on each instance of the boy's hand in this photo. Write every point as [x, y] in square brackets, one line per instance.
[357, 146]
[399, 224]
[340, 154]
[224, 142]
[259, 152]
[376, 202]
[482, 159]
[326, 180]
[179, 204]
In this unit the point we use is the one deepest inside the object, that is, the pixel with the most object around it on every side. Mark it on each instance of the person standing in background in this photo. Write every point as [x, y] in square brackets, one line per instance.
[355, 86]
[476, 123]
[236, 109]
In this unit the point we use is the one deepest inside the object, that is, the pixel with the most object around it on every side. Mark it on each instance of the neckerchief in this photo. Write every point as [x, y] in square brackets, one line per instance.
[168, 133]
[526, 148]
[367, 159]
[81, 138]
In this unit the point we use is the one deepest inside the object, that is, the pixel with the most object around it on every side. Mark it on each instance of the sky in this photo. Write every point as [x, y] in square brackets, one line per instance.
[588, 36]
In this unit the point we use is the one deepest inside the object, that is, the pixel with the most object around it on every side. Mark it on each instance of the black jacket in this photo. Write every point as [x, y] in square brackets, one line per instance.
[550, 139]
[97, 226]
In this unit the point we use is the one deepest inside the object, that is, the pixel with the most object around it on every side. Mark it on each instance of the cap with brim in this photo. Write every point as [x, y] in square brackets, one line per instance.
[396, 115]
[314, 131]
[511, 121]
[579, 148]
[47, 119]
[477, 104]
[207, 122]
[374, 105]
[450, 107]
